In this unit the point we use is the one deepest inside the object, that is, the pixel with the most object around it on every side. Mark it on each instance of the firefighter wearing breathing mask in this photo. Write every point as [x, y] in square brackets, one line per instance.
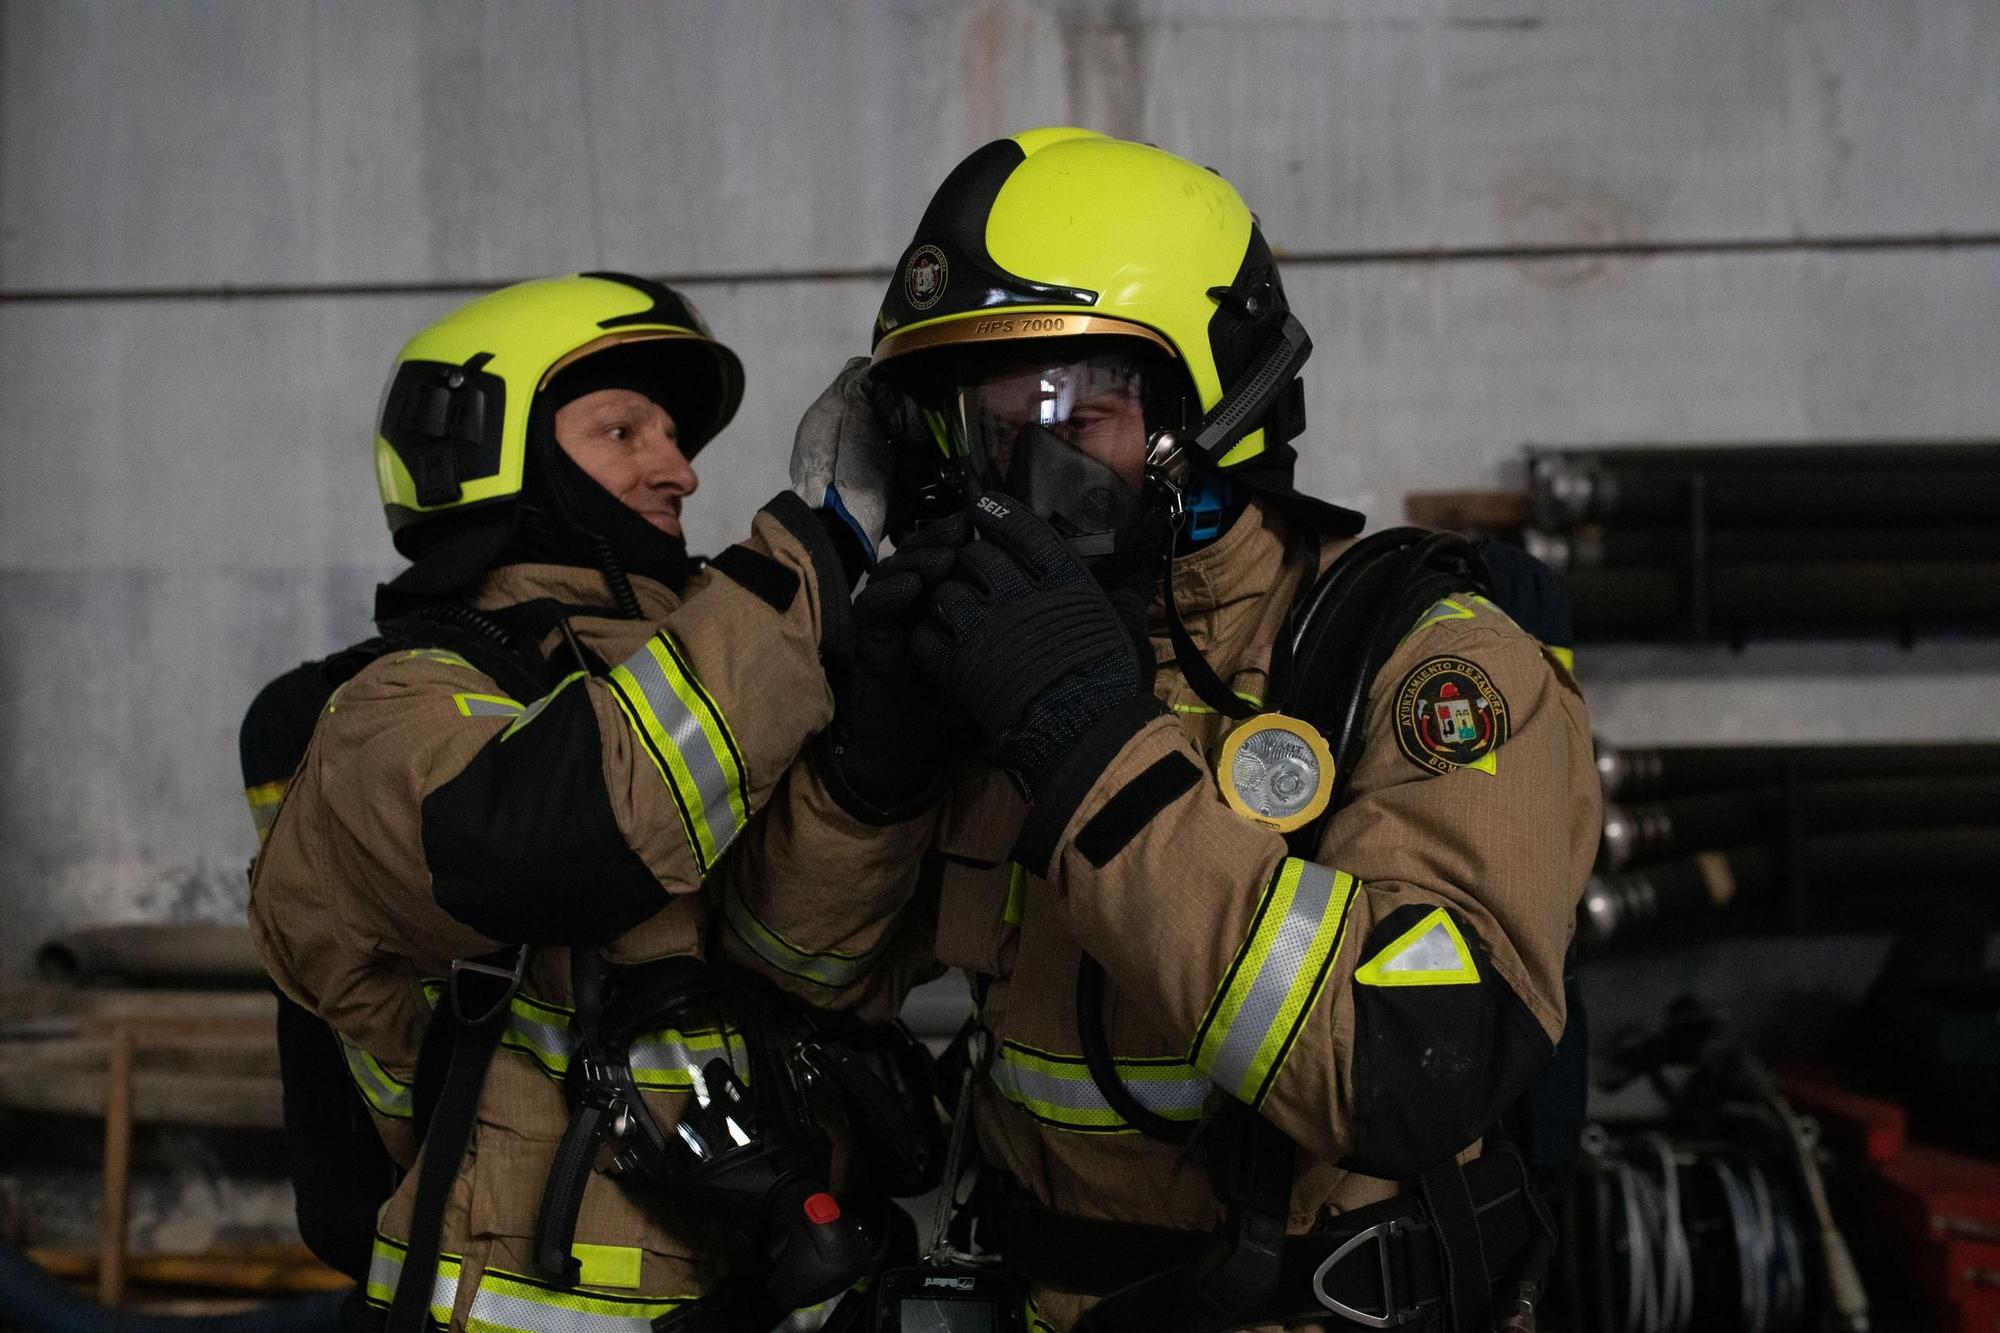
[1260, 843]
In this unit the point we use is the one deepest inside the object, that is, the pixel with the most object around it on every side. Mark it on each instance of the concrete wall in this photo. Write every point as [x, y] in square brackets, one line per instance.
[1507, 223]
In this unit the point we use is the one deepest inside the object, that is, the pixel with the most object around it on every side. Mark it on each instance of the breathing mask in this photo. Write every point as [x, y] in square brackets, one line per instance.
[1060, 426]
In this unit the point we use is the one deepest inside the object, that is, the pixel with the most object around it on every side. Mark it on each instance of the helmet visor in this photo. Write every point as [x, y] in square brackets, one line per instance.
[1065, 436]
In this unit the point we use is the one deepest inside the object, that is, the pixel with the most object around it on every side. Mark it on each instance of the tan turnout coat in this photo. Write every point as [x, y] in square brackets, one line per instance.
[1416, 959]
[713, 695]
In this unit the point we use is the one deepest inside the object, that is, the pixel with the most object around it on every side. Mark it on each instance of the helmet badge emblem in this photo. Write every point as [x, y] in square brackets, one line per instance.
[924, 277]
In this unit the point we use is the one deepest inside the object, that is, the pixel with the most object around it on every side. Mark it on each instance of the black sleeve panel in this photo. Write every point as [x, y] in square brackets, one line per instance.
[1057, 803]
[775, 584]
[523, 846]
[1136, 805]
[1435, 1066]
[836, 636]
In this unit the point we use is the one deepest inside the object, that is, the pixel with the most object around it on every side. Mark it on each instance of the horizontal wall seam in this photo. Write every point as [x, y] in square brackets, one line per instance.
[1502, 254]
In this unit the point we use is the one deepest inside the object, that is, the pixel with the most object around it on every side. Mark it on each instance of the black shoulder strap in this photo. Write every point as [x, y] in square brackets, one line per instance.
[448, 1108]
[1347, 627]
[480, 639]
[278, 725]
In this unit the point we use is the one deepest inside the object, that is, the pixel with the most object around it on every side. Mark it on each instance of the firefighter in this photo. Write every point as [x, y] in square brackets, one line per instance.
[526, 779]
[1066, 780]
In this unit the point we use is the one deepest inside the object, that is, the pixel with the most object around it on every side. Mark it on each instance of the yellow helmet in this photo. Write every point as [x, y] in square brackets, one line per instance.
[454, 429]
[1063, 233]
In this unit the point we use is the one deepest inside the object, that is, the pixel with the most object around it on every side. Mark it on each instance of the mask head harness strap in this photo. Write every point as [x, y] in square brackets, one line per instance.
[1268, 387]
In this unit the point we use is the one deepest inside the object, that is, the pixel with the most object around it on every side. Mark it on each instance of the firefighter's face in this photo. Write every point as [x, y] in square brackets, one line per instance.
[629, 445]
[1098, 416]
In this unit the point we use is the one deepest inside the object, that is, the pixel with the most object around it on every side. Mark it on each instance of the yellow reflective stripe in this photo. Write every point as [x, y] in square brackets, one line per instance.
[1017, 894]
[661, 1059]
[534, 710]
[1036, 1324]
[1565, 656]
[607, 1265]
[682, 730]
[507, 1302]
[264, 801]
[827, 967]
[1464, 607]
[1059, 1091]
[385, 1269]
[1275, 979]
[1430, 953]
[439, 655]
[1245, 696]
[513, 1303]
[381, 1089]
[486, 705]
[1443, 609]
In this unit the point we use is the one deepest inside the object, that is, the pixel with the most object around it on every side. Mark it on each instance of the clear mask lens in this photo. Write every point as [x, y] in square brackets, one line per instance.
[1065, 437]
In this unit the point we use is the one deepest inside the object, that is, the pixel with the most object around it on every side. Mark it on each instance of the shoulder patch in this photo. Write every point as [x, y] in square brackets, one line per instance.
[1449, 715]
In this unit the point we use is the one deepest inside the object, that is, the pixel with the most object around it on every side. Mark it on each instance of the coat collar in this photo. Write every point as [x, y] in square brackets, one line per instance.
[572, 585]
[1235, 595]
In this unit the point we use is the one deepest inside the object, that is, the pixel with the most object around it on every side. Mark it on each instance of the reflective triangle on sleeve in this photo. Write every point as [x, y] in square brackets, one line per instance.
[1430, 953]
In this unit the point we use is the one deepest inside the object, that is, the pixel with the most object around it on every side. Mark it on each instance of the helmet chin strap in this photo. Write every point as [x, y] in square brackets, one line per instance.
[1173, 463]
[1201, 677]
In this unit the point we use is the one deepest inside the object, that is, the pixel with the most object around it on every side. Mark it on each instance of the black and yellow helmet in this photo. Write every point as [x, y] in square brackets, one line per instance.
[1149, 268]
[453, 434]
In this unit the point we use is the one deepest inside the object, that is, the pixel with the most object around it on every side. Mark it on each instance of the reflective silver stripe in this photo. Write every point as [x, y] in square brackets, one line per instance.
[1252, 1045]
[1058, 1089]
[668, 1052]
[534, 709]
[825, 969]
[265, 816]
[478, 705]
[505, 1303]
[383, 1090]
[684, 731]
[385, 1270]
[660, 1058]
[266, 798]
[551, 1043]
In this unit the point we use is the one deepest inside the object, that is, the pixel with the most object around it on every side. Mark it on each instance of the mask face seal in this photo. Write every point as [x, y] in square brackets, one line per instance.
[1063, 430]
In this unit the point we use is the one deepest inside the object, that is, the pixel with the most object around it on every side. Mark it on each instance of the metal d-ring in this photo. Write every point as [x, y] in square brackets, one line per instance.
[1390, 1317]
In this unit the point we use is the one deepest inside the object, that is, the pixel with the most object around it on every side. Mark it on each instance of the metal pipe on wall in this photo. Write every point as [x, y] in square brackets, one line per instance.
[1872, 880]
[1653, 830]
[1743, 484]
[1639, 547]
[1632, 772]
[1656, 602]
[214, 956]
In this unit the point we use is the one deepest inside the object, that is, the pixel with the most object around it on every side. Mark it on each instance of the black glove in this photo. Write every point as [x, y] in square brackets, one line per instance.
[1027, 641]
[894, 727]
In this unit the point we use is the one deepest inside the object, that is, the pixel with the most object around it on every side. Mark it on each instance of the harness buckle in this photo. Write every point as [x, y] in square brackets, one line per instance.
[1391, 1316]
[462, 967]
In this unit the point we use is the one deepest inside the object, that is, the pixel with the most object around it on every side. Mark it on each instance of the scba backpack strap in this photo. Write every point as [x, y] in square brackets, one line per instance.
[341, 1173]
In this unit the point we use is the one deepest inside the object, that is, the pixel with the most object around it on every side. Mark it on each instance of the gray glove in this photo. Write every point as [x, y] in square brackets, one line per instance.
[841, 457]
